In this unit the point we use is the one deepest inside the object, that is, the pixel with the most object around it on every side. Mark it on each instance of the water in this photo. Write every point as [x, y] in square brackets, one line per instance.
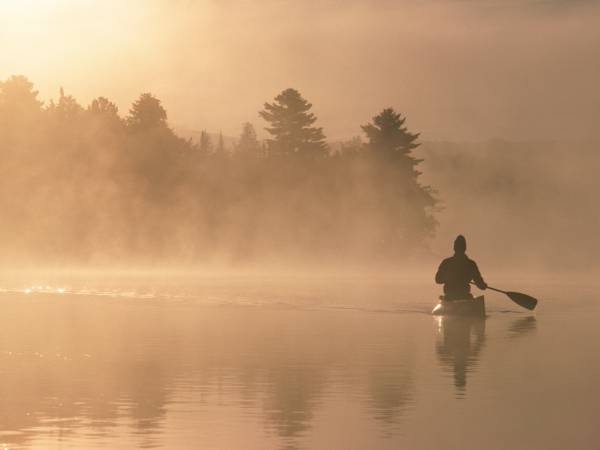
[290, 363]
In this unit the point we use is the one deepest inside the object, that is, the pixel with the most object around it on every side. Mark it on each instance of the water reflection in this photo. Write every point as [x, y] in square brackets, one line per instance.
[459, 345]
[522, 326]
[292, 396]
[392, 392]
[98, 372]
[94, 370]
[60, 371]
[461, 341]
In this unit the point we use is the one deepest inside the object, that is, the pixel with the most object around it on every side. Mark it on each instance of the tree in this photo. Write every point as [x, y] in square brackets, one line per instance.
[291, 126]
[205, 144]
[67, 108]
[389, 138]
[221, 145]
[409, 204]
[18, 101]
[105, 114]
[17, 92]
[146, 113]
[101, 106]
[248, 144]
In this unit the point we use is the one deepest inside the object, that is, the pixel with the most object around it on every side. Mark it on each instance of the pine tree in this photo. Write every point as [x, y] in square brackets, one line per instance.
[205, 144]
[147, 112]
[291, 126]
[221, 145]
[390, 139]
[248, 144]
[409, 205]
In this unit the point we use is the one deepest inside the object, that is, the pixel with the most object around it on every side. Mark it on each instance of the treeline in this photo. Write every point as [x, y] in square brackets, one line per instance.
[82, 184]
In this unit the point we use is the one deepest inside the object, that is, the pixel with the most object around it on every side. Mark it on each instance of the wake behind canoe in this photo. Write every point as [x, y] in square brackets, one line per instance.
[469, 307]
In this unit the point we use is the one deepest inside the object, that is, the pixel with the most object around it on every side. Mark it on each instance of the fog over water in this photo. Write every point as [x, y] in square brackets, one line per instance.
[220, 222]
[254, 363]
[525, 206]
[463, 73]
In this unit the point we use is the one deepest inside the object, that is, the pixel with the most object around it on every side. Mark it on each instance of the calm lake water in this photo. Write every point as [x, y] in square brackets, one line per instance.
[291, 363]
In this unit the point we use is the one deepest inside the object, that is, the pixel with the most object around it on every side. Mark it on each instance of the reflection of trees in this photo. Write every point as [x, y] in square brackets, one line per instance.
[291, 399]
[112, 363]
[277, 359]
[148, 397]
[61, 370]
[391, 390]
[391, 376]
[462, 339]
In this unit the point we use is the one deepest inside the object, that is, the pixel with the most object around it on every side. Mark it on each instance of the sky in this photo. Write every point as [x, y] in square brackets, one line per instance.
[458, 69]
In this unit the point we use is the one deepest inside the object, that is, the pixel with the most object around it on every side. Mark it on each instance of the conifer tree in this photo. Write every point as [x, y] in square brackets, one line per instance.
[410, 205]
[390, 139]
[205, 144]
[146, 113]
[248, 144]
[221, 145]
[291, 126]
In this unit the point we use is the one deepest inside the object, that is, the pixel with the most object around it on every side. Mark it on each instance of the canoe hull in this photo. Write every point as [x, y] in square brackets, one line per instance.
[471, 307]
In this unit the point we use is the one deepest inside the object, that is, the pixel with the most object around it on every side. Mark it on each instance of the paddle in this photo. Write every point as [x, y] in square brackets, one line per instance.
[523, 300]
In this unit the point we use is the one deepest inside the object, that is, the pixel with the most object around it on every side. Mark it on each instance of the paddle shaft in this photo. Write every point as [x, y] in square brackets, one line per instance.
[493, 289]
[497, 290]
[524, 300]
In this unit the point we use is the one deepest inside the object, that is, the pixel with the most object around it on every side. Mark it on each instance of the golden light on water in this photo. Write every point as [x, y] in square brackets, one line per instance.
[44, 289]
[159, 292]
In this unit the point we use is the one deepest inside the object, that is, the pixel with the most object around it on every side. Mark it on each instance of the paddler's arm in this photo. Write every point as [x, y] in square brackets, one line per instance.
[477, 278]
[440, 276]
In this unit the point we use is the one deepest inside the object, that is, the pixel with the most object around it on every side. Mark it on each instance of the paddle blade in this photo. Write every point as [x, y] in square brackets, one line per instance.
[523, 300]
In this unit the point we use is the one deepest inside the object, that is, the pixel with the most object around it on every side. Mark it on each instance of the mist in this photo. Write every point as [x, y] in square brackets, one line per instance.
[221, 220]
[502, 94]
[526, 207]
[460, 70]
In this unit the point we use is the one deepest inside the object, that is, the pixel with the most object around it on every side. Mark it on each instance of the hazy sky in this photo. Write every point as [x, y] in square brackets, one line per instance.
[458, 69]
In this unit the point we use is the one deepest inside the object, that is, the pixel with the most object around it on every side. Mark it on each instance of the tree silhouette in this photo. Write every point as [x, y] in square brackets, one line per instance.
[248, 144]
[105, 114]
[408, 204]
[290, 125]
[147, 113]
[66, 109]
[17, 97]
[220, 151]
[389, 138]
[131, 188]
[205, 144]
[102, 105]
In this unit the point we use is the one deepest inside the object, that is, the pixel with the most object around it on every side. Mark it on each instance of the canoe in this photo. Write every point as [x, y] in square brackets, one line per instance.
[468, 307]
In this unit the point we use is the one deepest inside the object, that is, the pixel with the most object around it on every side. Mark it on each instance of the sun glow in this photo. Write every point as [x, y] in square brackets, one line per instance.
[27, 10]
[69, 43]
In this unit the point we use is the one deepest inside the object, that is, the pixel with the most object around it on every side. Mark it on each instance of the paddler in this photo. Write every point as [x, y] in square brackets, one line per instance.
[457, 272]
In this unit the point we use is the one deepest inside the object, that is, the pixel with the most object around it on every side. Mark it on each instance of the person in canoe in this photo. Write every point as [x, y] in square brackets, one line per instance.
[457, 272]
